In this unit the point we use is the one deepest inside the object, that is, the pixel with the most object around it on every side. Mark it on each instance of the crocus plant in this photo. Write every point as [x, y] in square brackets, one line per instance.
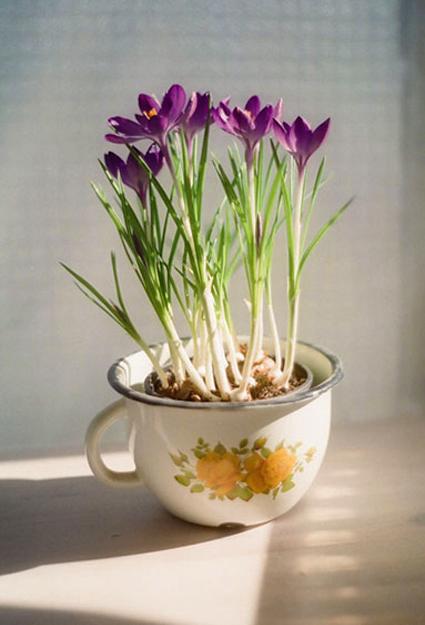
[183, 262]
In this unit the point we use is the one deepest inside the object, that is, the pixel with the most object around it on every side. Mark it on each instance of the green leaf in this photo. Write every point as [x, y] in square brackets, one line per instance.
[198, 453]
[197, 488]
[320, 234]
[88, 286]
[287, 484]
[276, 492]
[200, 441]
[265, 452]
[189, 474]
[116, 281]
[243, 443]
[183, 480]
[202, 164]
[260, 442]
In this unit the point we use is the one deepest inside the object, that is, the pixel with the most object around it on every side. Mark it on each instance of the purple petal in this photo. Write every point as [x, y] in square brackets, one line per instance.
[118, 139]
[114, 164]
[157, 125]
[319, 135]
[243, 119]
[173, 103]
[201, 112]
[278, 109]
[224, 104]
[263, 122]
[134, 173]
[191, 105]
[154, 159]
[253, 105]
[148, 102]
[300, 136]
[222, 119]
[126, 126]
[143, 120]
[281, 133]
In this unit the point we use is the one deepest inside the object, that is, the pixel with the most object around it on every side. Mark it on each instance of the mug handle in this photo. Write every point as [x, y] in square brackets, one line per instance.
[107, 417]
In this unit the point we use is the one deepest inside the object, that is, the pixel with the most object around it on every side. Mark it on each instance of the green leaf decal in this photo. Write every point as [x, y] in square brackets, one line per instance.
[183, 480]
[233, 494]
[176, 459]
[265, 452]
[245, 493]
[287, 484]
[220, 449]
[218, 461]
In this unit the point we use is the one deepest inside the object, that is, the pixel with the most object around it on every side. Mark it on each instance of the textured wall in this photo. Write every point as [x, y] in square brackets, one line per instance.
[66, 65]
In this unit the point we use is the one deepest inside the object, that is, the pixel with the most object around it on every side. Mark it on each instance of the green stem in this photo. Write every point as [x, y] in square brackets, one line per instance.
[255, 338]
[293, 290]
[273, 328]
[192, 372]
[153, 358]
[215, 342]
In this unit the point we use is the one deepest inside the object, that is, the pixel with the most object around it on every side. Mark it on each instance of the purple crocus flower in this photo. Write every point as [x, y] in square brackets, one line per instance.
[154, 121]
[299, 139]
[195, 116]
[133, 174]
[250, 124]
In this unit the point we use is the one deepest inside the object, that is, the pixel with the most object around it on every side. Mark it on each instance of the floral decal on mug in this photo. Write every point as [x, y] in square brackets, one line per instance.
[241, 472]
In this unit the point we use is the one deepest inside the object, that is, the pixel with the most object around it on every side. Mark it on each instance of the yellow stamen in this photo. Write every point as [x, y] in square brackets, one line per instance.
[151, 113]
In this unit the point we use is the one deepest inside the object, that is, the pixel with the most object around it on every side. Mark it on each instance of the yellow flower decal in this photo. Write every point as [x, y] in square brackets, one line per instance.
[220, 472]
[266, 473]
[240, 472]
[277, 467]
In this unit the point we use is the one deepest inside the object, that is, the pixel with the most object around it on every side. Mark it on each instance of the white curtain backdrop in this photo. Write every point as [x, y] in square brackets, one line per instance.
[66, 65]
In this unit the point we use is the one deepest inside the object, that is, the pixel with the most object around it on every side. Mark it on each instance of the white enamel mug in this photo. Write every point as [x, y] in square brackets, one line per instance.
[220, 464]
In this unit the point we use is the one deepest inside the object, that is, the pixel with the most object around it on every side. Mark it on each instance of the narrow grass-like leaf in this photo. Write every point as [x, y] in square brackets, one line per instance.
[320, 234]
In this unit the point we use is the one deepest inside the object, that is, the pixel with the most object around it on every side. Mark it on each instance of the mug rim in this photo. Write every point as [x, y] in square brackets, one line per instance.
[114, 379]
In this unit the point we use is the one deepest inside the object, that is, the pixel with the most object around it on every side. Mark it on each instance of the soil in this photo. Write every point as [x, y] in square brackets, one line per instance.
[263, 389]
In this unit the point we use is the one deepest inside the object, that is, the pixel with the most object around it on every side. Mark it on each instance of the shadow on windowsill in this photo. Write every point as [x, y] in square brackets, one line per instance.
[13, 615]
[74, 519]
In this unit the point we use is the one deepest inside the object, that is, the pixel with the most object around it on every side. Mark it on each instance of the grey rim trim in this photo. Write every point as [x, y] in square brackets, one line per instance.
[336, 377]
